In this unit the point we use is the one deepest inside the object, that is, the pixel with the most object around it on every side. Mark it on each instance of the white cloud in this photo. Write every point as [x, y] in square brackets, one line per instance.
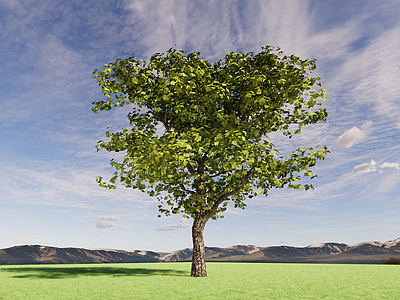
[366, 126]
[350, 137]
[104, 221]
[390, 165]
[365, 168]
[42, 228]
[353, 136]
[177, 227]
[398, 124]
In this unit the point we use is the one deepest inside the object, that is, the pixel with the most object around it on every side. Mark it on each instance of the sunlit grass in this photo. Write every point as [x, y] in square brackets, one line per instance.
[224, 281]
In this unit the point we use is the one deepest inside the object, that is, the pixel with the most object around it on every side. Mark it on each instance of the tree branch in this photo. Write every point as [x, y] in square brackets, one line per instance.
[220, 173]
[162, 120]
[190, 169]
[165, 119]
[186, 190]
[225, 196]
[243, 181]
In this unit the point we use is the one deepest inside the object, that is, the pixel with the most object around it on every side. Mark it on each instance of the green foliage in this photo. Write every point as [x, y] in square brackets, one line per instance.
[217, 118]
[392, 261]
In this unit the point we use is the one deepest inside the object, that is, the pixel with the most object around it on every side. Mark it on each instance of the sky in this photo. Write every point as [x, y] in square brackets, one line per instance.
[48, 163]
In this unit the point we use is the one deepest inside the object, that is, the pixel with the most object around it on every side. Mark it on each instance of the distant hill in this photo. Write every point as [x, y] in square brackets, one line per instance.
[362, 253]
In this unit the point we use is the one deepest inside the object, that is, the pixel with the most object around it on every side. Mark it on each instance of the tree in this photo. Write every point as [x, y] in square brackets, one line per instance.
[217, 118]
[392, 261]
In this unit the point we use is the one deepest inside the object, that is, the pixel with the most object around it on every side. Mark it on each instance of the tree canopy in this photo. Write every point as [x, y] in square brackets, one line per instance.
[216, 119]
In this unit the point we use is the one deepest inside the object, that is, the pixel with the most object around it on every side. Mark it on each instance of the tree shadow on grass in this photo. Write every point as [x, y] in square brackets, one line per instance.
[72, 272]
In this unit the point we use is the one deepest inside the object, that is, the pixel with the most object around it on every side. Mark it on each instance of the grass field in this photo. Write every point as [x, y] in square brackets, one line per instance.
[224, 281]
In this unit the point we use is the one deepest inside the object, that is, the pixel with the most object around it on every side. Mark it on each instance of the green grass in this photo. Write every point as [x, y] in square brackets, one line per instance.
[224, 281]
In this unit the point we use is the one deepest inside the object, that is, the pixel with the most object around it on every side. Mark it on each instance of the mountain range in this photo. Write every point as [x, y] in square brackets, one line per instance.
[362, 253]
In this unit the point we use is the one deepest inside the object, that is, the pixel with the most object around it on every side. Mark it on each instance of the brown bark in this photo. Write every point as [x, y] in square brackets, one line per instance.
[199, 253]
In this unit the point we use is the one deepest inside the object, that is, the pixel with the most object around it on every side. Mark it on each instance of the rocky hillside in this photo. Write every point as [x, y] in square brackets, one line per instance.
[368, 252]
[37, 254]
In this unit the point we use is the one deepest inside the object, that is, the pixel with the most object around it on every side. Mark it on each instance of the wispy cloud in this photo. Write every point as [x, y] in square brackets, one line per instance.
[222, 26]
[398, 124]
[66, 185]
[49, 52]
[175, 228]
[105, 221]
[366, 73]
[389, 165]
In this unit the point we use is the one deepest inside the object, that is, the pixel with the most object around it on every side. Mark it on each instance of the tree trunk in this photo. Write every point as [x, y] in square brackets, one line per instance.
[199, 253]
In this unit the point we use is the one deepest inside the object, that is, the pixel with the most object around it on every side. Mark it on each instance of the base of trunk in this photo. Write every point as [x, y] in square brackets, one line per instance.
[198, 269]
[199, 253]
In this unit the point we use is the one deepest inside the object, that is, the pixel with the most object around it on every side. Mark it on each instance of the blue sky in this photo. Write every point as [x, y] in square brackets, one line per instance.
[48, 164]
